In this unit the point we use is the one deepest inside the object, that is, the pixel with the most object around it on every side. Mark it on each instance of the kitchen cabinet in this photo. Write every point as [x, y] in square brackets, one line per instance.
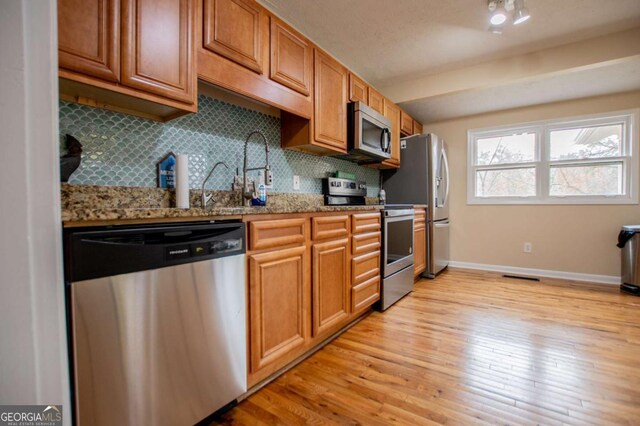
[157, 47]
[232, 28]
[419, 242]
[244, 48]
[133, 56]
[365, 262]
[406, 124]
[376, 100]
[309, 275]
[330, 103]
[417, 128]
[358, 89]
[89, 37]
[278, 301]
[291, 57]
[392, 112]
[331, 285]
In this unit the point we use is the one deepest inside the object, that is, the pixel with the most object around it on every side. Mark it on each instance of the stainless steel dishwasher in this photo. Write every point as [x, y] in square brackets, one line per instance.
[157, 318]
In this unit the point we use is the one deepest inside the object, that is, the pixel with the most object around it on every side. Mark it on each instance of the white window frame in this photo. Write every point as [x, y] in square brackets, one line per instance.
[630, 159]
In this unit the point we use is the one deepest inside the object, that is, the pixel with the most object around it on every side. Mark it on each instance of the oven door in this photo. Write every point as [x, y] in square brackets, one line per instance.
[372, 134]
[398, 240]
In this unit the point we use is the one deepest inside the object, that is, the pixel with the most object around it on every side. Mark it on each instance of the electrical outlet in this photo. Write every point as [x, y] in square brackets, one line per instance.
[296, 183]
[528, 248]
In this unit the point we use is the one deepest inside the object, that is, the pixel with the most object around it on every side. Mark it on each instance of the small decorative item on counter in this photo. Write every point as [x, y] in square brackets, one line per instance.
[167, 171]
[182, 181]
[382, 195]
[71, 160]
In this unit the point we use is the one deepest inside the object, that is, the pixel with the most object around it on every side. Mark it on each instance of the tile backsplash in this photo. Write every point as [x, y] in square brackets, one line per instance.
[122, 150]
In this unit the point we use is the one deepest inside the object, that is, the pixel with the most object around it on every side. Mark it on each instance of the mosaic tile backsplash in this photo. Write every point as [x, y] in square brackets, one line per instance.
[122, 150]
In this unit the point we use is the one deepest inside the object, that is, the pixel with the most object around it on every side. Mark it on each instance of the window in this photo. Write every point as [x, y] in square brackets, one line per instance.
[587, 160]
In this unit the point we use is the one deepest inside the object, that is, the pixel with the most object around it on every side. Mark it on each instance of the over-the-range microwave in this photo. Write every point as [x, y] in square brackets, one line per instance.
[369, 135]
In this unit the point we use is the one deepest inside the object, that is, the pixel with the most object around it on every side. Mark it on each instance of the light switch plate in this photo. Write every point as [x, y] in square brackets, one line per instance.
[296, 183]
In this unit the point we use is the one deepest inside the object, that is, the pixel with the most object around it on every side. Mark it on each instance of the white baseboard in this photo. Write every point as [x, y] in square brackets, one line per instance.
[574, 276]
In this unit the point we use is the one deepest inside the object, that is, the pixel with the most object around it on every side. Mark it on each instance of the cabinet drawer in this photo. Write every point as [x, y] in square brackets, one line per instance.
[265, 234]
[364, 267]
[365, 294]
[365, 243]
[365, 222]
[329, 227]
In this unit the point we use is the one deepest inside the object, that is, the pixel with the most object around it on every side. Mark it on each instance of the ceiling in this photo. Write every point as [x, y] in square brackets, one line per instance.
[383, 40]
[388, 42]
[602, 80]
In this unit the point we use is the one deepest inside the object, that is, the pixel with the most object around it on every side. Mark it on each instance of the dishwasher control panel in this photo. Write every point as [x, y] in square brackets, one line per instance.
[99, 252]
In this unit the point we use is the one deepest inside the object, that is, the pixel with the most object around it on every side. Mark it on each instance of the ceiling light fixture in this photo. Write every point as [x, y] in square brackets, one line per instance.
[521, 12]
[499, 15]
[499, 11]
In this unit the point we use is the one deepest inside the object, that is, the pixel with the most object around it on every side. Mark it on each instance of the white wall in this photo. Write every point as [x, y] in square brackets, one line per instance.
[577, 239]
[33, 355]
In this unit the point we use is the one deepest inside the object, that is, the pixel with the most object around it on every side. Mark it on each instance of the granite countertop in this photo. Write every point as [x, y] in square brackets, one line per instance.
[88, 203]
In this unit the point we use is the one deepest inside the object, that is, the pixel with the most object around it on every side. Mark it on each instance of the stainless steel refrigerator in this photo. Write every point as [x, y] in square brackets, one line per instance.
[423, 178]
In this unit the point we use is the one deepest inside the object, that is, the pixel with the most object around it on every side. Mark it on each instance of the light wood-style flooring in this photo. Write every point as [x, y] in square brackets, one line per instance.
[471, 348]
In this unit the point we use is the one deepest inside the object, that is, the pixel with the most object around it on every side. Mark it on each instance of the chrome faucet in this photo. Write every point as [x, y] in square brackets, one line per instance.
[206, 198]
[247, 193]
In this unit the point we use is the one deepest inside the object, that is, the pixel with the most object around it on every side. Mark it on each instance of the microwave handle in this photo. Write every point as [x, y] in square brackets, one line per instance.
[385, 140]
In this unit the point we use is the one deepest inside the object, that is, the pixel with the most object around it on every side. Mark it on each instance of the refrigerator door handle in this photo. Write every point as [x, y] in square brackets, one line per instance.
[444, 224]
[446, 177]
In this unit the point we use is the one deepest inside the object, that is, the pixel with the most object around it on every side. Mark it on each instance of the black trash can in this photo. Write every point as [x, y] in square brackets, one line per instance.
[629, 242]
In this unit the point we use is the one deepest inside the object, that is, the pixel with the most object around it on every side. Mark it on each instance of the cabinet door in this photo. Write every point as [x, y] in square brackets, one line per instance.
[406, 123]
[419, 249]
[278, 300]
[330, 116]
[331, 284]
[392, 112]
[89, 37]
[417, 128]
[376, 101]
[158, 47]
[291, 58]
[358, 89]
[232, 29]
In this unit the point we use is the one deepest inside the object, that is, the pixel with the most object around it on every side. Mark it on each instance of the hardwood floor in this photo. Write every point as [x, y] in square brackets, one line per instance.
[471, 348]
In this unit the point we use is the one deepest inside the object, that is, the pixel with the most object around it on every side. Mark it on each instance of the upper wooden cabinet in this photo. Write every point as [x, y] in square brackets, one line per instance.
[330, 102]
[97, 52]
[392, 112]
[291, 57]
[243, 48]
[406, 124]
[133, 56]
[157, 47]
[417, 128]
[231, 28]
[376, 100]
[358, 89]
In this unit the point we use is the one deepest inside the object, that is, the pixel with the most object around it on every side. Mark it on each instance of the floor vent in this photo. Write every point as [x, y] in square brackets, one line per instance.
[520, 277]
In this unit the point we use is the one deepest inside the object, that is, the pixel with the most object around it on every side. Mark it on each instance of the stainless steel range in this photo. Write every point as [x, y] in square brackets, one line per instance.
[397, 254]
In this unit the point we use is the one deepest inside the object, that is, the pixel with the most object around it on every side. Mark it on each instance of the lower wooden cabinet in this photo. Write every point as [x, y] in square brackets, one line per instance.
[419, 242]
[278, 304]
[309, 275]
[330, 284]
